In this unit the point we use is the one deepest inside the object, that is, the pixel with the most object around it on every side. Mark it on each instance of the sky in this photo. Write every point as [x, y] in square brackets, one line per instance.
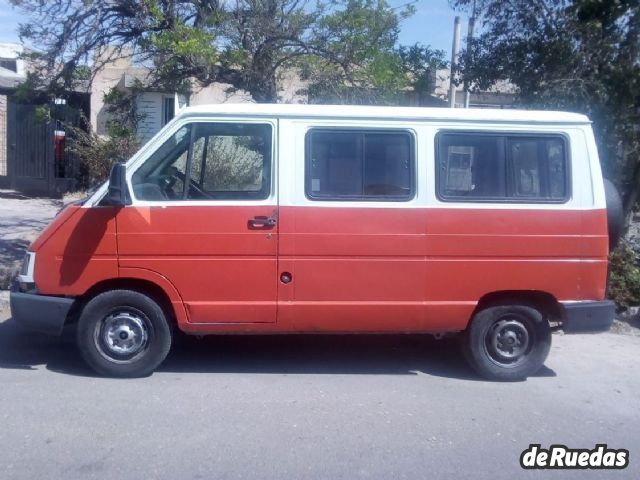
[431, 25]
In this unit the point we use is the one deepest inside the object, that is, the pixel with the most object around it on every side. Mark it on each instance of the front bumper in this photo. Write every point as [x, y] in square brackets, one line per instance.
[583, 317]
[39, 312]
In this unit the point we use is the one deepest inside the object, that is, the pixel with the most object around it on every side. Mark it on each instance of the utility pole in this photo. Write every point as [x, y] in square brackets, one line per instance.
[472, 24]
[455, 52]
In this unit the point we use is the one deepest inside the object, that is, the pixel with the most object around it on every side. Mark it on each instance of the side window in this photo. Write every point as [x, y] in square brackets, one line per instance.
[162, 176]
[359, 165]
[204, 161]
[502, 167]
[232, 161]
[557, 165]
[473, 166]
[527, 167]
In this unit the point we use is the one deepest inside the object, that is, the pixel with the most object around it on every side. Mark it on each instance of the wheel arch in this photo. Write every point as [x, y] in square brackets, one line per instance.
[140, 280]
[545, 302]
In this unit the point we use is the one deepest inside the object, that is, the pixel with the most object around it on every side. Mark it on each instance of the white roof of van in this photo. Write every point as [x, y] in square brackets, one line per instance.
[409, 113]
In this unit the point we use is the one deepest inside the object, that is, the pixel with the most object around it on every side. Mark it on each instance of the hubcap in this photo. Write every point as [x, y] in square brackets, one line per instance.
[508, 341]
[122, 336]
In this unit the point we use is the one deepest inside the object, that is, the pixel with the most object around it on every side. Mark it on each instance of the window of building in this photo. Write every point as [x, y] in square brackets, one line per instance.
[502, 167]
[168, 110]
[359, 165]
[9, 64]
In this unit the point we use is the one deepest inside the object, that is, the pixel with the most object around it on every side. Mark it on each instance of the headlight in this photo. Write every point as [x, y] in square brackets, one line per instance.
[26, 272]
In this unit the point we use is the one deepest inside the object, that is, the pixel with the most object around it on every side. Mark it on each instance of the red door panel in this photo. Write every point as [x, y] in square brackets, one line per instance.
[473, 252]
[354, 269]
[370, 269]
[224, 269]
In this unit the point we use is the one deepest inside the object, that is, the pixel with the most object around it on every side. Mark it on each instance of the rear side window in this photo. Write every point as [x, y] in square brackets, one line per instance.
[359, 165]
[502, 167]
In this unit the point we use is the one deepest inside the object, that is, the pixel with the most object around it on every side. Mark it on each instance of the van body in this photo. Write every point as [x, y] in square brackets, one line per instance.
[334, 219]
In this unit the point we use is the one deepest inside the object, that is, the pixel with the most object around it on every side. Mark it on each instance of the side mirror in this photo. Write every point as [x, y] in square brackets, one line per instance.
[118, 194]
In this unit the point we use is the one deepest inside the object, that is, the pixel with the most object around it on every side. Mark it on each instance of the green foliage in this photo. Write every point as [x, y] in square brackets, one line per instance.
[338, 45]
[121, 106]
[82, 72]
[624, 276]
[420, 64]
[42, 114]
[97, 154]
[354, 58]
[578, 55]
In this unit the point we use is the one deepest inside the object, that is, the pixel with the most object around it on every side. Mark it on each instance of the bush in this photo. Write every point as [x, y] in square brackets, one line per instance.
[97, 154]
[624, 276]
[7, 274]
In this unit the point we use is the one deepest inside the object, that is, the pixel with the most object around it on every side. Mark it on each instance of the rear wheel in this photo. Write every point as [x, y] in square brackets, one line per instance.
[122, 333]
[507, 342]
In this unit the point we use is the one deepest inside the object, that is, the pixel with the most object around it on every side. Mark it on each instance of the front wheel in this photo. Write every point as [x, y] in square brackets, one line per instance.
[122, 333]
[507, 342]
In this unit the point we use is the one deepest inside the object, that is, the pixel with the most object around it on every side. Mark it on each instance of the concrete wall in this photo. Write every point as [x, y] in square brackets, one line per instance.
[289, 87]
[500, 95]
[217, 93]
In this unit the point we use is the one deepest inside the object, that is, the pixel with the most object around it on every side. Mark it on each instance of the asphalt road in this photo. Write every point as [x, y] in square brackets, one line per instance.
[296, 407]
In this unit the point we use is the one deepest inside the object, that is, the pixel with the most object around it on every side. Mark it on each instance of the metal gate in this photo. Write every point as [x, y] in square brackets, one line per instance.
[4, 174]
[31, 159]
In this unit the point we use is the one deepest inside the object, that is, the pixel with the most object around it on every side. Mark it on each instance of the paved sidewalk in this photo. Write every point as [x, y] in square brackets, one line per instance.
[21, 219]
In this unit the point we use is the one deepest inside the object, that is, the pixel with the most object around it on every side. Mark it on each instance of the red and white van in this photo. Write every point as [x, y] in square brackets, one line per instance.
[333, 219]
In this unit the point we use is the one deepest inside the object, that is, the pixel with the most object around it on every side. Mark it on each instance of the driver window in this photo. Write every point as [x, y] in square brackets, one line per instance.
[162, 176]
[231, 161]
[214, 160]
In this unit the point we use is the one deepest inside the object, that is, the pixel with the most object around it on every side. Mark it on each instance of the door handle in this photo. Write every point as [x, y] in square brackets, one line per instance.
[262, 223]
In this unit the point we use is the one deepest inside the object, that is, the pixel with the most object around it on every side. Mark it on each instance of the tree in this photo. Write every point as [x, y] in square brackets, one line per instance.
[96, 154]
[580, 55]
[244, 43]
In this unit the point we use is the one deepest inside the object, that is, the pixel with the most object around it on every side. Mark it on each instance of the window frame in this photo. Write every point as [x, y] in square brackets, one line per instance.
[267, 180]
[165, 101]
[147, 151]
[363, 131]
[510, 197]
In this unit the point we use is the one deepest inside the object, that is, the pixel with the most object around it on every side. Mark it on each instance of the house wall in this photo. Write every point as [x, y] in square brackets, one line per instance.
[217, 93]
[151, 108]
[12, 51]
[501, 95]
[290, 87]
[105, 80]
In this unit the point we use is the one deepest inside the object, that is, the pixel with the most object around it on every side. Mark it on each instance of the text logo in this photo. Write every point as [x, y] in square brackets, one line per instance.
[560, 457]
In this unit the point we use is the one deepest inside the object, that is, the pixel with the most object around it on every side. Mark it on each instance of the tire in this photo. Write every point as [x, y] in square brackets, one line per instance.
[122, 333]
[487, 347]
[615, 213]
